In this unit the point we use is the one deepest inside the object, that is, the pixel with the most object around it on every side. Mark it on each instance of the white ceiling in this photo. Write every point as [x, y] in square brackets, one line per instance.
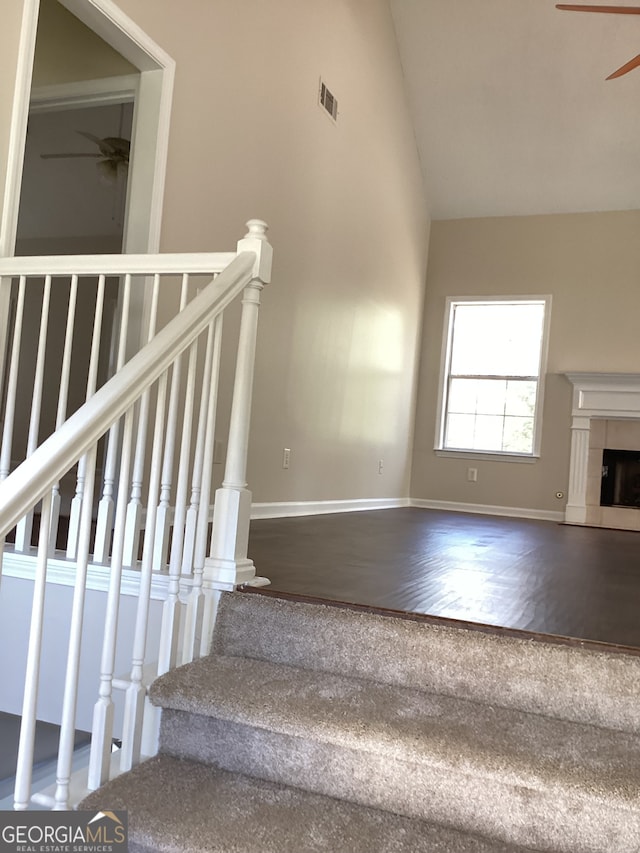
[511, 108]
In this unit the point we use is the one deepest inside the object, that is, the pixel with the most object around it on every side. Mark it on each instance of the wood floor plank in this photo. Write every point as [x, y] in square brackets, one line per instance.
[530, 575]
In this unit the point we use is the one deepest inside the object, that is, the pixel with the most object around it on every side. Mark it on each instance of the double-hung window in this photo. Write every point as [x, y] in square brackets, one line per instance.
[493, 368]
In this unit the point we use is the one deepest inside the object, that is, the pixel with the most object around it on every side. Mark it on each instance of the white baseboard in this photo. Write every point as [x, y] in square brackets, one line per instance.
[484, 509]
[289, 509]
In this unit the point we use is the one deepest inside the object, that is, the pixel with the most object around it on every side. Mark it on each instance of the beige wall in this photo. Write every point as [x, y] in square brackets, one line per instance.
[590, 263]
[340, 323]
[337, 350]
[67, 51]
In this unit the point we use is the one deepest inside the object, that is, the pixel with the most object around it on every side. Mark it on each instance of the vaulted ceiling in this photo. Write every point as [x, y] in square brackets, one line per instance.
[512, 111]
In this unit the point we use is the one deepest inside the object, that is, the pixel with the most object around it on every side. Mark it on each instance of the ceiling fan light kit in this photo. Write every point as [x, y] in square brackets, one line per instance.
[612, 10]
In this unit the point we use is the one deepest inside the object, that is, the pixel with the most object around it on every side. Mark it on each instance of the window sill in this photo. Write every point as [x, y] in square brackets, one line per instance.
[487, 455]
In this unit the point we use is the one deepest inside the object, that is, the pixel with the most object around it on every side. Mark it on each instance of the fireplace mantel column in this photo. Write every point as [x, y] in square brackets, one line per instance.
[576, 510]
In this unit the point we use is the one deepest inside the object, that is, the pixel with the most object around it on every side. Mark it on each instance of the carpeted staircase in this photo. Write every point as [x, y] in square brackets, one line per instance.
[324, 728]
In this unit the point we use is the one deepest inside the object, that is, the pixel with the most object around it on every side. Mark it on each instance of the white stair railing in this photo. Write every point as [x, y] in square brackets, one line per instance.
[172, 358]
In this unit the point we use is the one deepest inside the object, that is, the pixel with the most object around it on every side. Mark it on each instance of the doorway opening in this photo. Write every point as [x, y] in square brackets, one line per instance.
[134, 78]
[74, 183]
[73, 201]
[151, 89]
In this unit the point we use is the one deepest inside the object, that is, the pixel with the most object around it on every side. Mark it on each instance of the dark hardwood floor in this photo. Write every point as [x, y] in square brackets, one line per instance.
[536, 576]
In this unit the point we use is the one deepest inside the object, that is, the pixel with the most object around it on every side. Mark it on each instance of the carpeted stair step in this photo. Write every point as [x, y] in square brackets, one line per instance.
[180, 806]
[314, 727]
[508, 774]
[566, 681]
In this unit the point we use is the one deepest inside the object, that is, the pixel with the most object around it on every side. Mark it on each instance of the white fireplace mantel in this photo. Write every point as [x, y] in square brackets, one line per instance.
[595, 395]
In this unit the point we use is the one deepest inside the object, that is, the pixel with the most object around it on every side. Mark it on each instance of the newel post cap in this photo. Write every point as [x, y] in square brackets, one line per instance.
[256, 241]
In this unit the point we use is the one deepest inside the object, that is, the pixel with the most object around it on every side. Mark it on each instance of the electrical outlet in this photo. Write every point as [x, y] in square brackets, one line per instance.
[380, 466]
[286, 457]
[472, 475]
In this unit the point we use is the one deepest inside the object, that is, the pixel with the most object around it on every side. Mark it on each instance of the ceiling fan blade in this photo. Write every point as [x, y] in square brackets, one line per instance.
[616, 10]
[624, 69]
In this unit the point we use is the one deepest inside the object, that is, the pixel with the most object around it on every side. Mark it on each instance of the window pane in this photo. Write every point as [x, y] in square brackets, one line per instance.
[486, 396]
[491, 396]
[488, 433]
[497, 339]
[459, 431]
[463, 395]
[518, 435]
[521, 398]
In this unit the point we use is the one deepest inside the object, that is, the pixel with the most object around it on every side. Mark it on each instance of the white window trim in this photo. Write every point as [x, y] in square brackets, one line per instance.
[445, 356]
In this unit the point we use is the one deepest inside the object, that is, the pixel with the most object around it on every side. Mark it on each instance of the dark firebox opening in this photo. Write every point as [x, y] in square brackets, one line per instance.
[620, 478]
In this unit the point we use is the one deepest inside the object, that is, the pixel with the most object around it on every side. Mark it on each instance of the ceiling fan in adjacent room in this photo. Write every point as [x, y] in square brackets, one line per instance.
[615, 10]
[112, 155]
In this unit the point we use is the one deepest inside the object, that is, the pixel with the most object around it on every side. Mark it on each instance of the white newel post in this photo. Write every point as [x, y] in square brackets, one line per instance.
[228, 565]
[576, 510]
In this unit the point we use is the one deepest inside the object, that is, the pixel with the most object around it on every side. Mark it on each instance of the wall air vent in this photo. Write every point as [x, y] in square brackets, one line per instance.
[328, 101]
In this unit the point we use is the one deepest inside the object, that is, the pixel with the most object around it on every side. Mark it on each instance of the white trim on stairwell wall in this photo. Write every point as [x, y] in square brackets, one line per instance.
[293, 509]
[62, 572]
[486, 509]
[289, 509]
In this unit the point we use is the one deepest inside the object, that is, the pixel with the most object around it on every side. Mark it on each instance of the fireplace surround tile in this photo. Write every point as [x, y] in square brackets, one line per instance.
[594, 464]
[597, 434]
[594, 486]
[594, 516]
[619, 518]
[622, 434]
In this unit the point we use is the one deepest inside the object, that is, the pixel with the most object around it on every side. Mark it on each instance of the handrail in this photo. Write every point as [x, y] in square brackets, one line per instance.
[66, 265]
[56, 455]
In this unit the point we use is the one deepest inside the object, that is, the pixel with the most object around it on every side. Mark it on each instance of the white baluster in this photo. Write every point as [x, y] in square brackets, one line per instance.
[196, 601]
[92, 379]
[172, 608]
[191, 522]
[193, 606]
[63, 396]
[24, 768]
[136, 692]
[163, 520]
[104, 520]
[75, 510]
[12, 385]
[134, 509]
[210, 598]
[228, 563]
[103, 713]
[72, 675]
[25, 525]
